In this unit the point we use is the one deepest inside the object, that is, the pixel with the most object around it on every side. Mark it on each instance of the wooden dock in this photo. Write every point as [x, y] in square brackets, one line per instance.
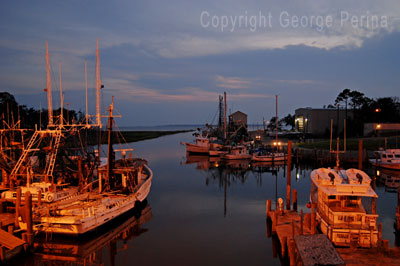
[10, 245]
[302, 245]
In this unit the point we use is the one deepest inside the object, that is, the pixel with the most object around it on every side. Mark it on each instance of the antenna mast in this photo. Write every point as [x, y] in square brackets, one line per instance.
[48, 86]
[225, 115]
[61, 99]
[98, 86]
[87, 115]
[276, 121]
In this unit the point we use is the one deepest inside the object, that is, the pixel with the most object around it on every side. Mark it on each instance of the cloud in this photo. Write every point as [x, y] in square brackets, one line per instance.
[232, 82]
[131, 91]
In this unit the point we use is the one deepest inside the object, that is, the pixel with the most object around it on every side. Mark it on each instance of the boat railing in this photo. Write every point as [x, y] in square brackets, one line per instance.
[346, 219]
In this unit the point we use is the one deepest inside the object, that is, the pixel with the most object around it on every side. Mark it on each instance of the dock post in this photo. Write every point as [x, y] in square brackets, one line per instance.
[301, 222]
[28, 212]
[360, 154]
[283, 246]
[289, 170]
[313, 231]
[17, 206]
[295, 199]
[292, 253]
[274, 222]
[379, 234]
[293, 231]
[307, 220]
[268, 208]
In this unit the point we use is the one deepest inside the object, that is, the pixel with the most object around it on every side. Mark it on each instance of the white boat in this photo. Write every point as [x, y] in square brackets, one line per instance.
[91, 210]
[269, 157]
[49, 192]
[389, 158]
[201, 145]
[237, 153]
[121, 185]
[342, 211]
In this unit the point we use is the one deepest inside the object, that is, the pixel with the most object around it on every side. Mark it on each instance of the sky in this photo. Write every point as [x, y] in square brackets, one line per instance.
[166, 62]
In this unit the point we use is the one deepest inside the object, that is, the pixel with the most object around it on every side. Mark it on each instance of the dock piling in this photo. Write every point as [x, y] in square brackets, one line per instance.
[289, 170]
[268, 208]
[301, 222]
[295, 199]
[313, 231]
[17, 206]
[28, 212]
[291, 249]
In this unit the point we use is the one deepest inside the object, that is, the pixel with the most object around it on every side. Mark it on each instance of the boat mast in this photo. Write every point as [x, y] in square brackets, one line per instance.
[48, 86]
[98, 86]
[225, 115]
[61, 99]
[110, 149]
[276, 121]
[87, 115]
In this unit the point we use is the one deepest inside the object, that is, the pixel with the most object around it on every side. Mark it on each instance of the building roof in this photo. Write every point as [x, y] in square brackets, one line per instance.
[237, 113]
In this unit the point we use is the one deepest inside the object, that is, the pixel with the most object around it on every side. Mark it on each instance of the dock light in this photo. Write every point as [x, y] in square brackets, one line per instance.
[378, 126]
[275, 143]
[306, 119]
[297, 176]
[377, 110]
[279, 143]
[378, 173]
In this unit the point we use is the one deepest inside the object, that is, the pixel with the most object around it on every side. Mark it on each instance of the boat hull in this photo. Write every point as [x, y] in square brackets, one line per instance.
[89, 217]
[393, 166]
[193, 148]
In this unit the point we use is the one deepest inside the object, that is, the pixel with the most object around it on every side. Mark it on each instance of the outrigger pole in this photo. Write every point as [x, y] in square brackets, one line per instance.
[48, 86]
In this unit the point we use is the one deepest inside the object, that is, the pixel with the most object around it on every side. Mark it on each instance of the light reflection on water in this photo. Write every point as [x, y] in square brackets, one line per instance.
[205, 213]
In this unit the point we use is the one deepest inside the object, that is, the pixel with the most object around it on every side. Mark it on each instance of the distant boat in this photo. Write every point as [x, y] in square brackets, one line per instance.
[201, 145]
[389, 159]
[237, 153]
[269, 157]
[344, 209]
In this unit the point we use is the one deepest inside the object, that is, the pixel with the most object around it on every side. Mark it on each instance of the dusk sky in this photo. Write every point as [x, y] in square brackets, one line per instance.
[166, 62]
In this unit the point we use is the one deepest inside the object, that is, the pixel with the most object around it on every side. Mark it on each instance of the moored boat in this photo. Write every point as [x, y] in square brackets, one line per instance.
[389, 159]
[121, 185]
[345, 206]
[269, 157]
[201, 145]
[237, 153]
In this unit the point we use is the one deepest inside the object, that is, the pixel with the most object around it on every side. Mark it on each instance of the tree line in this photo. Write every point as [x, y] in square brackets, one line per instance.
[11, 112]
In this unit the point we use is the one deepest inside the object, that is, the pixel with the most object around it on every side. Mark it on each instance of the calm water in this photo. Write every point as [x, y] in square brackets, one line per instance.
[195, 215]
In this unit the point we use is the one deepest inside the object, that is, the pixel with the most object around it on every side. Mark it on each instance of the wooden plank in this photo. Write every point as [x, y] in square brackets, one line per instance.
[9, 241]
[317, 250]
[370, 257]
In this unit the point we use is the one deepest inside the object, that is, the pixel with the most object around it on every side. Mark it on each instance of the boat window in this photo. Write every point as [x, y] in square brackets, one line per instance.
[390, 156]
[383, 155]
[397, 155]
[332, 197]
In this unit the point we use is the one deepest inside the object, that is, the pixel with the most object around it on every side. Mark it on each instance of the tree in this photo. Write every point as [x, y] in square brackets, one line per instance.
[288, 120]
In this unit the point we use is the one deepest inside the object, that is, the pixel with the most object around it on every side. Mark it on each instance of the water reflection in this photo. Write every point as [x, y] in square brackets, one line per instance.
[93, 248]
[390, 179]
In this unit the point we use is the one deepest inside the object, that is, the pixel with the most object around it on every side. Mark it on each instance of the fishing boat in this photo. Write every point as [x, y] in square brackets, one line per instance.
[389, 158]
[269, 157]
[237, 153]
[121, 185]
[345, 206]
[201, 145]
